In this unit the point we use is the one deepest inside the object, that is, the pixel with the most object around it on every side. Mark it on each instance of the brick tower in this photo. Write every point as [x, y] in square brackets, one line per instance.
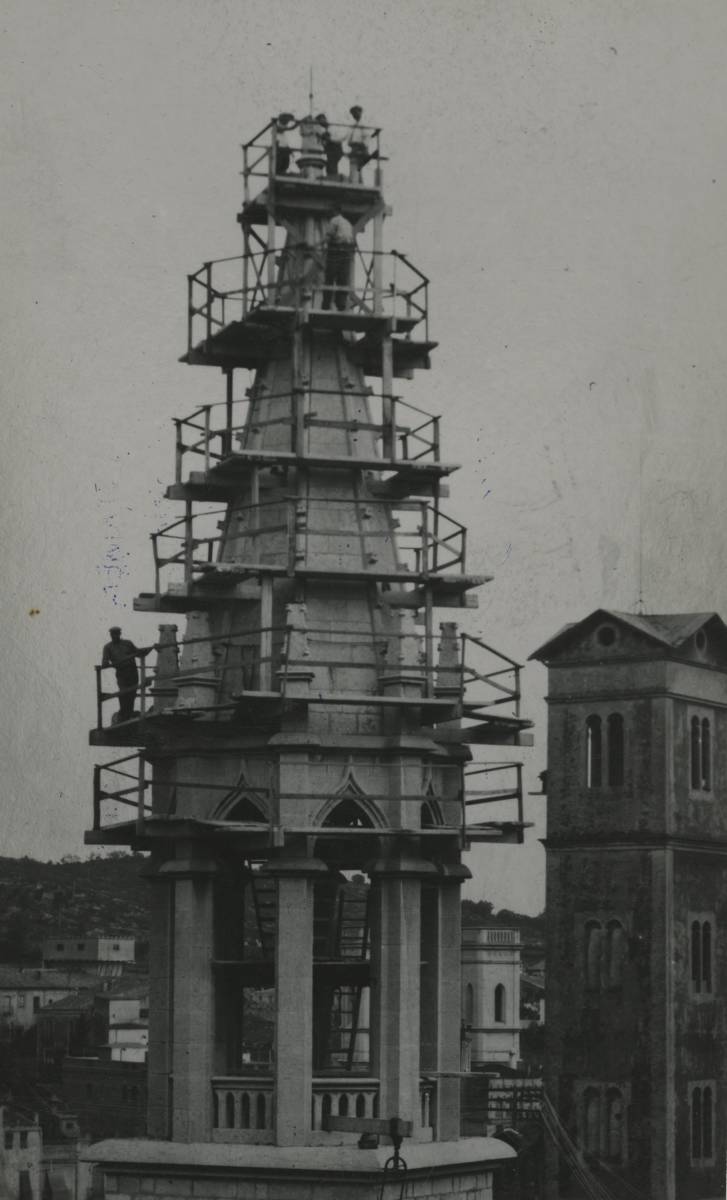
[636, 983]
[311, 723]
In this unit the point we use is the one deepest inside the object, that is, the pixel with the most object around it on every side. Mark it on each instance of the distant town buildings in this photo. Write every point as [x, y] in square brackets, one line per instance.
[104, 955]
[24, 991]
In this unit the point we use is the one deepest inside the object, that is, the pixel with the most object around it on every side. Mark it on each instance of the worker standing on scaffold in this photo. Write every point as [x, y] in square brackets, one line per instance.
[358, 146]
[283, 126]
[340, 248]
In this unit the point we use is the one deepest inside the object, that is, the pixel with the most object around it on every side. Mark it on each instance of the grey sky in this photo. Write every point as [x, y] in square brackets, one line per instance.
[557, 169]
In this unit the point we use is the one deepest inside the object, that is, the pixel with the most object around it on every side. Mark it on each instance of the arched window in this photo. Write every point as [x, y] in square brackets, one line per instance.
[500, 1003]
[696, 1123]
[701, 1100]
[695, 753]
[706, 956]
[696, 955]
[614, 1124]
[707, 1122]
[706, 759]
[616, 948]
[594, 947]
[594, 752]
[700, 754]
[592, 1121]
[701, 934]
[615, 741]
[469, 1004]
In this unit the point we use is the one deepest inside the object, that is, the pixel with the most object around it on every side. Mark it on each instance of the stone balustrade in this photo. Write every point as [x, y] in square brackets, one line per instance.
[340, 1097]
[243, 1109]
[243, 1106]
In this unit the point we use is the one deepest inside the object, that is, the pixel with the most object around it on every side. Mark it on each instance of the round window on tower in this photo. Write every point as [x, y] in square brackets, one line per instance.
[606, 635]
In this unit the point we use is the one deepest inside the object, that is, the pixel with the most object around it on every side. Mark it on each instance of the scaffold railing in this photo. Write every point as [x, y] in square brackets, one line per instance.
[119, 786]
[284, 533]
[216, 432]
[260, 158]
[499, 685]
[263, 282]
[214, 673]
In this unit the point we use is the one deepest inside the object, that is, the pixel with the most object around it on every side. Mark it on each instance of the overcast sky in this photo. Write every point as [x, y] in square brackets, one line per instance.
[556, 168]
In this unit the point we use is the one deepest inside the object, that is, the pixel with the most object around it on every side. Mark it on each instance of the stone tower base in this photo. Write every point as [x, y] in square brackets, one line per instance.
[137, 1170]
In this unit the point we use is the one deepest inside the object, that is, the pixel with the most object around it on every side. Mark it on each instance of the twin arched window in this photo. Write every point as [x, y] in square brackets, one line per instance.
[603, 1122]
[700, 754]
[604, 751]
[605, 947]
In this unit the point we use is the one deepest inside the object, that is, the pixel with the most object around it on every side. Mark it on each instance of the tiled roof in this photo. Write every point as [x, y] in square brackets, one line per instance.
[36, 979]
[667, 629]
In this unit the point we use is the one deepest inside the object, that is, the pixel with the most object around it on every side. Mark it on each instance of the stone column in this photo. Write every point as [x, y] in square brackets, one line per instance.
[192, 1032]
[395, 965]
[160, 1002]
[294, 997]
[441, 1004]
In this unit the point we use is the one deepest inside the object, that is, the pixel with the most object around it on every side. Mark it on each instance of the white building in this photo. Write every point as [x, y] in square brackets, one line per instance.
[21, 1145]
[491, 995]
[104, 955]
[24, 991]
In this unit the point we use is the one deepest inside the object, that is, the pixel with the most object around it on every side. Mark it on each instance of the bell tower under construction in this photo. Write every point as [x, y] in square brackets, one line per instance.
[303, 762]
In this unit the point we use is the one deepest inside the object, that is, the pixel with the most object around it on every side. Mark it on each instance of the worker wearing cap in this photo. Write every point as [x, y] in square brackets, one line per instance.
[358, 145]
[121, 653]
[333, 137]
[340, 249]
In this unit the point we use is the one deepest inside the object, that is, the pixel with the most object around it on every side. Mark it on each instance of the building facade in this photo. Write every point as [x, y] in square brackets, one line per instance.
[636, 974]
[491, 995]
[24, 991]
[103, 955]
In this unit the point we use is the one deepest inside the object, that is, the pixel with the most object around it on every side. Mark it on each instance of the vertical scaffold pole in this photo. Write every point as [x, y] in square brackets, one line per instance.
[245, 273]
[188, 547]
[142, 787]
[429, 639]
[229, 376]
[298, 394]
[270, 252]
[387, 405]
[266, 633]
[378, 262]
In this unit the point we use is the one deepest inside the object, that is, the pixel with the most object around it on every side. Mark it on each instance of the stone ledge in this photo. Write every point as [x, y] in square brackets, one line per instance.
[124, 1156]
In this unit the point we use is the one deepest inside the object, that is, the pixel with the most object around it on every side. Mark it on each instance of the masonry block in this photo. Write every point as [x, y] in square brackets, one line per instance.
[173, 1186]
[219, 1189]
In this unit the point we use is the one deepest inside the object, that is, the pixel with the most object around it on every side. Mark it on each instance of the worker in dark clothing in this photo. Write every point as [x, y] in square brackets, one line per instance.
[332, 145]
[121, 654]
[340, 248]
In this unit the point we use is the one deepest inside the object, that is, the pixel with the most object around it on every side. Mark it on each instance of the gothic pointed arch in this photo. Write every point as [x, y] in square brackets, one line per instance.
[352, 810]
[242, 803]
